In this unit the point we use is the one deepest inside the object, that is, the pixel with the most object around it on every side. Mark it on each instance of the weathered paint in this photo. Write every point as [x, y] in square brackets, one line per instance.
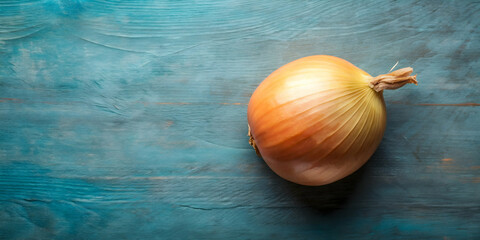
[127, 120]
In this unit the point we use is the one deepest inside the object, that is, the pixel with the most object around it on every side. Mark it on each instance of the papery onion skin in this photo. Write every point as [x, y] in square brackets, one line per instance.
[317, 120]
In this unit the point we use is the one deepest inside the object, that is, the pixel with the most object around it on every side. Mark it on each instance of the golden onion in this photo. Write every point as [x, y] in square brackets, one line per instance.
[320, 118]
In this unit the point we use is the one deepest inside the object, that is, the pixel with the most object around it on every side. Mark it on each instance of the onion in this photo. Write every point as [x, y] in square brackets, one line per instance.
[320, 118]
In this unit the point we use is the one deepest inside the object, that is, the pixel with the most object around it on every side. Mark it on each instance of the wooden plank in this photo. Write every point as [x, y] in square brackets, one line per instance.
[127, 120]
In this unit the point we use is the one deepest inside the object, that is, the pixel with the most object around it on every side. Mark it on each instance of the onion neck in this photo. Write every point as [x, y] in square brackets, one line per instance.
[393, 80]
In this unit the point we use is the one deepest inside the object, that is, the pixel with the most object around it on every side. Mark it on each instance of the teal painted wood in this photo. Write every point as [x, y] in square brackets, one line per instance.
[127, 120]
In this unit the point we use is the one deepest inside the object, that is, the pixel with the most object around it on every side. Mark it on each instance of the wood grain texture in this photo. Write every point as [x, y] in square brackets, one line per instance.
[127, 120]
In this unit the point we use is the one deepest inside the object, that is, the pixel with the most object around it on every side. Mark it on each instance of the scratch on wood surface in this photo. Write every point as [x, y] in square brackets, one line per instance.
[170, 103]
[36, 29]
[165, 177]
[241, 206]
[450, 165]
[233, 103]
[476, 179]
[470, 104]
[193, 103]
[209, 208]
[110, 47]
[180, 50]
[11, 99]
[450, 104]
[16, 100]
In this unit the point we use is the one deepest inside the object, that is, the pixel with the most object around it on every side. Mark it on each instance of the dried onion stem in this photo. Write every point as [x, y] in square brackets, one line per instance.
[393, 80]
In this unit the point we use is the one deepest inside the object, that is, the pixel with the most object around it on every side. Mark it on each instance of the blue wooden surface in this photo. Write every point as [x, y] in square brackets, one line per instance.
[127, 120]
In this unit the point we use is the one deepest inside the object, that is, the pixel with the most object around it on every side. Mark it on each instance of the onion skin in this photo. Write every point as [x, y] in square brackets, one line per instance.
[316, 120]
